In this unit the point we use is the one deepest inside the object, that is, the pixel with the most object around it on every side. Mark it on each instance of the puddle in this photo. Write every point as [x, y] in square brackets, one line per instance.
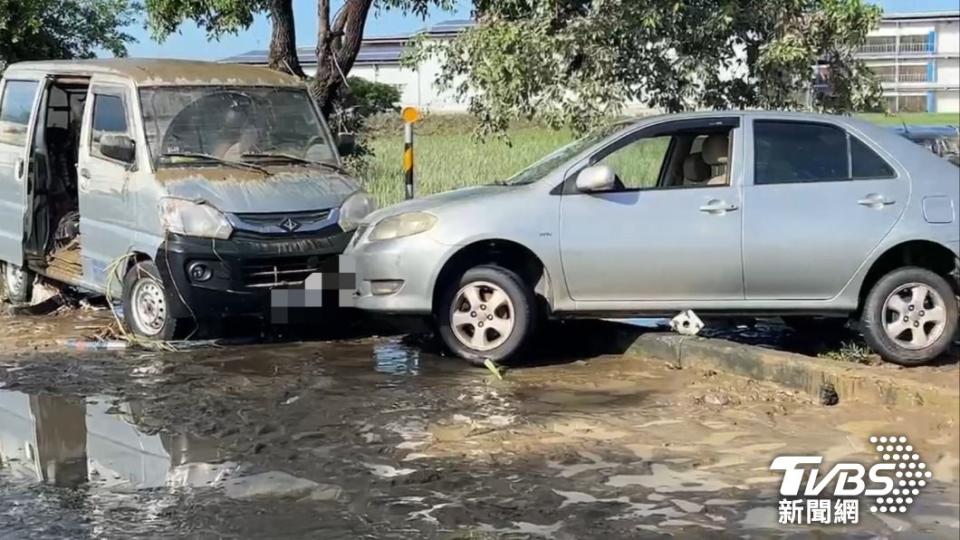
[70, 442]
[374, 438]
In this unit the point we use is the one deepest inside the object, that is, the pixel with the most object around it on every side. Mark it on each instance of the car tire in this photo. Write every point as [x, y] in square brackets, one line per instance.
[467, 306]
[816, 325]
[146, 304]
[17, 283]
[910, 316]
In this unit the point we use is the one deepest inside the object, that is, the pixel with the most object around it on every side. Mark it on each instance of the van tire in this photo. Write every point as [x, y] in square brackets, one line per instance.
[146, 304]
[16, 283]
[518, 313]
[878, 311]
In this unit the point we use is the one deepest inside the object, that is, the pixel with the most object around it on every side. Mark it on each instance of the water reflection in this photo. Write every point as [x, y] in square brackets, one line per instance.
[69, 442]
[394, 358]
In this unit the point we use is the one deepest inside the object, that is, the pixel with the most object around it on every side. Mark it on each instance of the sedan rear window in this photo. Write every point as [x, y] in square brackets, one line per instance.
[801, 152]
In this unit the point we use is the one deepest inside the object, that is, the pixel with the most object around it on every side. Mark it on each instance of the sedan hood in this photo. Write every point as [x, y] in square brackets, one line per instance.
[289, 190]
[436, 202]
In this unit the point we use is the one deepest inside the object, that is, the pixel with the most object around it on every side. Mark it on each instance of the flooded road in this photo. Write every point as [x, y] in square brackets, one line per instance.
[377, 438]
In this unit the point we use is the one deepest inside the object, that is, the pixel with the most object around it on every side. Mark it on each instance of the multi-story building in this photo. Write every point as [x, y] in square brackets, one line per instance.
[916, 55]
[917, 58]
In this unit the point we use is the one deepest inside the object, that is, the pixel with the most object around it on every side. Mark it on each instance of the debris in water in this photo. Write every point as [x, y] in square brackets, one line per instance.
[494, 368]
[95, 345]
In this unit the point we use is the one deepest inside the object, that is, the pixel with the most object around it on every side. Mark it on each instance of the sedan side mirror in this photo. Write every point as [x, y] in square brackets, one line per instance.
[346, 143]
[118, 147]
[596, 178]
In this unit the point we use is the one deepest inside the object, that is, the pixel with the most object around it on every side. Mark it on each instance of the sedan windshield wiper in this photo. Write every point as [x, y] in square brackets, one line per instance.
[298, 159]
[201, 155]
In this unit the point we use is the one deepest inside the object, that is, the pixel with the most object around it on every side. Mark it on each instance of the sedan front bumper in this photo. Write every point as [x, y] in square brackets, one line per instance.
[410, 265]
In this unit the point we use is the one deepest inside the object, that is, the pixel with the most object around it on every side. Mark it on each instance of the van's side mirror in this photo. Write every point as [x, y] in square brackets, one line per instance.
[118, 147]
[346, 143]
[596, 178]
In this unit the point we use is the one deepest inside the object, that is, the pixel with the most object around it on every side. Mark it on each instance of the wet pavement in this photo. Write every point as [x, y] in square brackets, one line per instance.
[380, 438]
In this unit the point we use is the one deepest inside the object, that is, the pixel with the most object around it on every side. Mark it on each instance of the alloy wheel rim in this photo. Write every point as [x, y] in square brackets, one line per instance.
[149, 307]
[482, 316]
[914, 316]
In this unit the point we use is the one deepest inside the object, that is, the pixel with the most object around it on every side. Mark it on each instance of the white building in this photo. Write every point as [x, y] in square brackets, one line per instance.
[380, 60]
[916, 55]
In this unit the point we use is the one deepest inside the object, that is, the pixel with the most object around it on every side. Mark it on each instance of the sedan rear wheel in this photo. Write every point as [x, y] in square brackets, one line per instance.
[488, 313]
[910, 316]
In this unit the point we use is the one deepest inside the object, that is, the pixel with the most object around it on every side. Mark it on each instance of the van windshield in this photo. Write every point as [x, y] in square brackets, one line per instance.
[190, 125]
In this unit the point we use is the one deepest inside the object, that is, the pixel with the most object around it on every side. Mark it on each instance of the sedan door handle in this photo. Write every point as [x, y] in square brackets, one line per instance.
[85, 173]
[875, 200]
[716, 206]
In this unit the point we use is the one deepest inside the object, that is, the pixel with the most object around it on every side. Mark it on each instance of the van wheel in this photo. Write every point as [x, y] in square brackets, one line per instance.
[488, 313]
[17, 283]
[910, 316]
[146, 304]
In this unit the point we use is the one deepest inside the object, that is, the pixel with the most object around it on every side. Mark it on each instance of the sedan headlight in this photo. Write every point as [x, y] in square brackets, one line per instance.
[190, 218]
[403, 225]
[354, 209]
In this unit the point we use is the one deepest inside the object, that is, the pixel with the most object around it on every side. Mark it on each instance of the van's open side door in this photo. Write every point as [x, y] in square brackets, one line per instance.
[19, 107]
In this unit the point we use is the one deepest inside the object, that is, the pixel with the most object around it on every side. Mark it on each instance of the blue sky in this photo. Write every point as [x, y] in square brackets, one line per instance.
[191, 42]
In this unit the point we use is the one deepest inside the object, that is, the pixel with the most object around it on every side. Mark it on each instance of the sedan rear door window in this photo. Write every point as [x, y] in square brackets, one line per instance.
[794, 152]
[800, 152]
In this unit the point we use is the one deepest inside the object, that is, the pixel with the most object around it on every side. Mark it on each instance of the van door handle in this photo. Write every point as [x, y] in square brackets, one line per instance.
[18, 169]
[84, 182]
[716, 206]
[875, 200]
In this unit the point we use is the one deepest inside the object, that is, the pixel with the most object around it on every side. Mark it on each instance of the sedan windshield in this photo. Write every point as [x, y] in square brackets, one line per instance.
[189, 125]
[563, 154]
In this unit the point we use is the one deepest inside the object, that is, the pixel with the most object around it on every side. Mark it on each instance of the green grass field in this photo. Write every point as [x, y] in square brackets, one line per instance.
[448, 156]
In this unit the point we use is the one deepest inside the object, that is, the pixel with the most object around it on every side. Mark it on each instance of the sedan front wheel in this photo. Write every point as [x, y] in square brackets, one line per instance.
[488, 313]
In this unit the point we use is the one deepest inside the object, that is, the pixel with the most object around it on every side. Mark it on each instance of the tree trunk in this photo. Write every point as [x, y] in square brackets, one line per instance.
[337, 47]
[283, 41]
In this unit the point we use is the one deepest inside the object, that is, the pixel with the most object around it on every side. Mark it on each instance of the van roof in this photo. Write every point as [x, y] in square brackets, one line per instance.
[160, 72]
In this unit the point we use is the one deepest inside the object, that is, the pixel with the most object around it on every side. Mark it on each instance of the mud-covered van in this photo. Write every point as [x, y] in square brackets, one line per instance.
[190, 190]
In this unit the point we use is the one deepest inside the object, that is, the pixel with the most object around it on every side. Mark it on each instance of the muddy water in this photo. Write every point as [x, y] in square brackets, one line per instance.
[376, 438]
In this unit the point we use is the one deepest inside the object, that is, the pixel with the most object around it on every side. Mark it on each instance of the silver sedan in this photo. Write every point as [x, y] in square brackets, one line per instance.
[814, 218]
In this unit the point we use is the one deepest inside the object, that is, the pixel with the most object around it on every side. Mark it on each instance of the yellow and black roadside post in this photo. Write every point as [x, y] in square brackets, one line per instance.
[410, 116]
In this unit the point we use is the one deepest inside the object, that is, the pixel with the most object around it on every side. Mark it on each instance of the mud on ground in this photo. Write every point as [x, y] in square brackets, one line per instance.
[374, 437]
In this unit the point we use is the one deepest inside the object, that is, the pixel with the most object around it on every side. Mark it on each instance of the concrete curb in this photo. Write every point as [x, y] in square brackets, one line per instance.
[864, 384]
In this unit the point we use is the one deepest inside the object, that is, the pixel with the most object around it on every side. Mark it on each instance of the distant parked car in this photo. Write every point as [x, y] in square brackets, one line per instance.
[729, 213]
[943, 141]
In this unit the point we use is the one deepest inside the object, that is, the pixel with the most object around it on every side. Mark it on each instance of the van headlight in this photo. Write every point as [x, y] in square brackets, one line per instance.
[354, 209]
[402, 225]
[190, 218]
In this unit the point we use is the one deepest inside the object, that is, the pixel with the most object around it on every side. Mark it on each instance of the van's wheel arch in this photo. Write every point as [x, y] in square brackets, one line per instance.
[147, 304]
[515, 313]
[16, 283]
[910, 316]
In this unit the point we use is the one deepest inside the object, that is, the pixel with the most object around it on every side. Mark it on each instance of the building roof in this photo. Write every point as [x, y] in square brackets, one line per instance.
[157, 72]
[373, 50]
[922, 16]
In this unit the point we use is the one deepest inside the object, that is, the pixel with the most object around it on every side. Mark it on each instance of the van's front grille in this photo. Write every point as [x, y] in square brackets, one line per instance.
[280, 273]
[283, 223]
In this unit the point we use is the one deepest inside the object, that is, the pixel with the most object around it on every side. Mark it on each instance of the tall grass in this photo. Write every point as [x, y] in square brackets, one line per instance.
[445, 161]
